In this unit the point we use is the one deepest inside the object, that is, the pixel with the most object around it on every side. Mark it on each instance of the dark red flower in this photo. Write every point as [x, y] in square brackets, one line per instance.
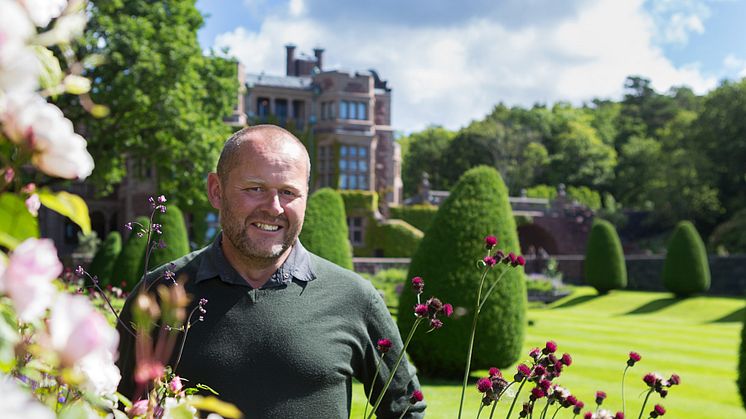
[674, 380]
[566, 359]
[484, 385]
[534, 353]
[545, 385]
[416, 397]
[588, 415]
[658, 410]
[651, 379]
[550, 348]
[490, 242]
[520, 261]
[495, 372]
[383, 345]
[447, 310]
[418, 284]
[436, 324]
[434, 305]
[571, 400]
[527, 409]
[489, 261]
[537, 393]
[634, 357]
[539, 371]
[578, 407]
[619, 415]
[600, 397]
[510, 259]
[499, 256]
[662, 392]
[523, 372]
[421, 310]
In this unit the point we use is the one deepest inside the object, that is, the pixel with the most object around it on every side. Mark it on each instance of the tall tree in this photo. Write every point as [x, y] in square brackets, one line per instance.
[424, 153]
[167, 99]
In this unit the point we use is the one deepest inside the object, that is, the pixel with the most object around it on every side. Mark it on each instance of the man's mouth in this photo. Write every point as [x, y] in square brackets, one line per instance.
[266, 227]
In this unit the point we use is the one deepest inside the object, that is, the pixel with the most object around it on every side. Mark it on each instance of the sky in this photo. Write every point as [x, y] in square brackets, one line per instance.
[450, 62]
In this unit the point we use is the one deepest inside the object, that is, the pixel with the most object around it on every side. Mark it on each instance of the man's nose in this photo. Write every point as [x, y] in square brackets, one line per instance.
[272, 204]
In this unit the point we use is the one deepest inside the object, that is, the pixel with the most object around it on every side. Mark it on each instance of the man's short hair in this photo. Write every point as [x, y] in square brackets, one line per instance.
[229, 155]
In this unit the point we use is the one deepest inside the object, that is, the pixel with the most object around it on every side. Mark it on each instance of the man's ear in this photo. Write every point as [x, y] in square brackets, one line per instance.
[213, 190]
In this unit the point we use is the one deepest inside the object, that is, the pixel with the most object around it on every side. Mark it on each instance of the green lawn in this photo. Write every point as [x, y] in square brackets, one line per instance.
[697, 338]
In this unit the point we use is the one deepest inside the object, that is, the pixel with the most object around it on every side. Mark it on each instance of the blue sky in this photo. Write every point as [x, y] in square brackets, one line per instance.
[450, 62]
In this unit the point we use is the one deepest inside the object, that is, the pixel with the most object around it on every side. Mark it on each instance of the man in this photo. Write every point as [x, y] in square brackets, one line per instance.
[285, 331]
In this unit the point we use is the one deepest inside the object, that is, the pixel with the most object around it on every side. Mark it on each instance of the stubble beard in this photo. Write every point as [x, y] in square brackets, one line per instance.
[255, 253]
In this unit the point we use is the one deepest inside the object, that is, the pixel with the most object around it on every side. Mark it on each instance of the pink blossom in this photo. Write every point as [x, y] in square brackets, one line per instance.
[566, 359]
[33, 203]
[484, 385]
[32, 267]
[139, 408]
[417, 396]
[384, 345]
[421, 310]
[447, 310]
[77, 329]
[550, 348]
[634, 358]
[490, 242]
[495, 372]
[175, 385]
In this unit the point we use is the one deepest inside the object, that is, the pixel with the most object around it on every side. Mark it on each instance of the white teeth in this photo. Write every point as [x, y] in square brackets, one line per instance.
[267, 227]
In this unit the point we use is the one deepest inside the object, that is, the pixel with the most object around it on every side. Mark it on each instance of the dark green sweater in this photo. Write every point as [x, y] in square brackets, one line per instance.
[289, 351]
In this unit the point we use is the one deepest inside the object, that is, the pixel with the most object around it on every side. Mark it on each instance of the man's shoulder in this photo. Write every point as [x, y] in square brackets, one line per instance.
[329, 272]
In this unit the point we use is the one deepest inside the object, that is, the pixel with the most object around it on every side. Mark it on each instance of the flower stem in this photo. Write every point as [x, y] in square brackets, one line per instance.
[642, 409]
[396, 366]
[512, 405]
[372, 384]
[404, 412]
[556, 411]
[497, 399]
[544, 412]
[481, 406]
[471, 340]
[624, 374]
[187, 326]
[489, 291]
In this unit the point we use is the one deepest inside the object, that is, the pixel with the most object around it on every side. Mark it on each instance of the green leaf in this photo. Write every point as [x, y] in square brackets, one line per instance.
[213, 404]
[16, 223]
[208, 388]
[77, 410]
[180, 412]
[8, 336]
[69, 205]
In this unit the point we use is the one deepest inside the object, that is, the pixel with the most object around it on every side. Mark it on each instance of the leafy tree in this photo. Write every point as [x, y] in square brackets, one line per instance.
[644, 111]
[686, 270]
[425, 154]
[730, 236]
[167, 99]
[102, 264]
[478, 206]
[604, 265]
[325, 228]
[174, 238]
[579, 157]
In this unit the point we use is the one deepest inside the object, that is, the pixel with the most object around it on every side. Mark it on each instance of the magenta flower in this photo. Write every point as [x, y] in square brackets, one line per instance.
[527, 409]
[545, 385]
[619, 415]
[539, 371]
[436, 324]
[490, 242]
[651, 379]
[421, 310]
[416, 396]
[566, 359]
[161, 199]
[495, 372]
[634, 357]
[383, 345]
[674, 380]
[520, 261]
[588, 415]
[447, 310]
[537, 393]
[489, 261]
[550, 348]
[658, 410]
[484, 385]
[523, 371]
[600, 397]
[510, 259]
[175, 385]
[534, 353]
[434, 305]
[418, 284]
[499, 255]
[578, 407]
[571, 400]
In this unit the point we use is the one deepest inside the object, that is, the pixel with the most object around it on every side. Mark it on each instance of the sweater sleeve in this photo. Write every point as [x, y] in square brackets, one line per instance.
[396, 400]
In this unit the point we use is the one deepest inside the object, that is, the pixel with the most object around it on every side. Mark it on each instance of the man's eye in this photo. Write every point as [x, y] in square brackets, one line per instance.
[288, 193]
[255, 189]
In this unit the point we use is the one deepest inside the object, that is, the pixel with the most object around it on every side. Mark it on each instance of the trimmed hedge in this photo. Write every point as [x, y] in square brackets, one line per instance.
[397, 238]
[420, 216]
[742, 365]
[359, 201]
[325, 228]
[102, 264]
[128, 269]
[686, 270]
[174, 236]
[478, 206]
[604, 265]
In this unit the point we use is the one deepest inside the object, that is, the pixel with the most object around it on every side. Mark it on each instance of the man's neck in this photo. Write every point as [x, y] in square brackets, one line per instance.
[255, 271]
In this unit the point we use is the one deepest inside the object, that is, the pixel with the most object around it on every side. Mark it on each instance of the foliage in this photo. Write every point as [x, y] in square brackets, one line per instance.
[424, 153]
[730, 236]
[129, 266]
[686, 270]
[604, 266]
[173, 237]
[478, 206]
[582, 194]
[325, 228]
[167, 99]
[357, 202]
[390, 283]
[396, 238]
[102, 265]
[420, 216]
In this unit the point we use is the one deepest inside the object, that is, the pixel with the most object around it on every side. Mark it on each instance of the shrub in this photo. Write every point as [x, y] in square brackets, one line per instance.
[128, 269]
[174, 236]
[420, 216]
[604, 260]
[478, 206]
[730, 236]
[686, 270]
[397, 238]
[103, 263]
[742, 365]
[325, 228]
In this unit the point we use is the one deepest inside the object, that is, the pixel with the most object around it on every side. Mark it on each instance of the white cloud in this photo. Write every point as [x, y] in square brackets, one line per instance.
[735, 65]
[451, 74]
[677, 19]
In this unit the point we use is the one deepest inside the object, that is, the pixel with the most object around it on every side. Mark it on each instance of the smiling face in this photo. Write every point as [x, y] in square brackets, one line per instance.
[262, 199]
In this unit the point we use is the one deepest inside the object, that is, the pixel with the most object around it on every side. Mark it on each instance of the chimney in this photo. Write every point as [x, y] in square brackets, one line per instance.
[290, 66]
[318, 52]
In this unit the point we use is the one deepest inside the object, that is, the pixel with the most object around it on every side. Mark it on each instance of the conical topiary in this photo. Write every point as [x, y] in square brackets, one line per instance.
[325, 228]
[103, 263]
[446, 260]
[174, 236]
[604, 259]
[686, 270]
[128, 269]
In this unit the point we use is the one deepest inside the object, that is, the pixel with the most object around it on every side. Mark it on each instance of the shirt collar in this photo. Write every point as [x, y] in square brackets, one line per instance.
[214, 264]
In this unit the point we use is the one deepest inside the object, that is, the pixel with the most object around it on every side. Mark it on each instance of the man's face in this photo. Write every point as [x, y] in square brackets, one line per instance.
[263, 200]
